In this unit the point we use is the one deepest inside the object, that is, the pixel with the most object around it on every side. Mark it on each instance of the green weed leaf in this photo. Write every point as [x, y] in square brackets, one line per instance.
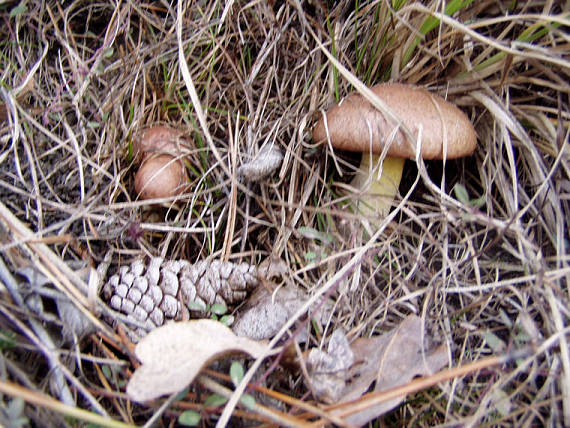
[310, 256]
[461, 194]
[236, 373]
[195, 306]
[227, 320]
[432, 22]
[248, 401]
[18, 10]
[215, 400]
[182, 393]
[310, 233]
[107, 372]
[189, 418]
[219, 308]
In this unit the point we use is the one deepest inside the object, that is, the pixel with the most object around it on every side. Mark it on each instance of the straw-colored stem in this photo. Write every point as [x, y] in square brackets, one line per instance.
[378, 189]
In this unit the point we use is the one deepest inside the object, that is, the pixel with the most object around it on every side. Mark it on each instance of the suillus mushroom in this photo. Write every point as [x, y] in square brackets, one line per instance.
[162, 173]
[158, 139]
[160, 176]
[356, 125]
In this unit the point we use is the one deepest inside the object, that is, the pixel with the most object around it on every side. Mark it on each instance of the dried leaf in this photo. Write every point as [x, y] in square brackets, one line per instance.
[75, 324]
[397, 361]
[173, 355]
[329, 370]
[265, 164]
[267, 312]
[392, 359]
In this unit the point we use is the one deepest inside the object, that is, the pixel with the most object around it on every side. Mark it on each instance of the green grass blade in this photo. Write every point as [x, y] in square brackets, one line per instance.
[432, 22]
[529, 35]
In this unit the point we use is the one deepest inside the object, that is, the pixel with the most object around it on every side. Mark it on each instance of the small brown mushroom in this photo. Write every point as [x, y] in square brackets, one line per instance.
[356, 125]
[162, 173]
[160, 176]
[158, 139]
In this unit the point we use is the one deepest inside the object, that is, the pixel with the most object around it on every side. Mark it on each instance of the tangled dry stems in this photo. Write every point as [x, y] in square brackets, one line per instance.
[488, 275]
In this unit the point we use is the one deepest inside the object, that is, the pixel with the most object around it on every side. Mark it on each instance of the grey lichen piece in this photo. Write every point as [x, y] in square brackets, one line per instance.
[264, 164]
[163, 290]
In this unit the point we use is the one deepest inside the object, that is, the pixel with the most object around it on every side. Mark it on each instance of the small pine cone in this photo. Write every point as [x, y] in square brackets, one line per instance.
[163, 289]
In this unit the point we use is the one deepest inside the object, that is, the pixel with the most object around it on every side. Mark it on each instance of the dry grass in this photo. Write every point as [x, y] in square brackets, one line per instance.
[489, 273]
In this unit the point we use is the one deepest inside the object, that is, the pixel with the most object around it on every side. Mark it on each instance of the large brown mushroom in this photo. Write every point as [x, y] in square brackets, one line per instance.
[355, 125]
[162, 173]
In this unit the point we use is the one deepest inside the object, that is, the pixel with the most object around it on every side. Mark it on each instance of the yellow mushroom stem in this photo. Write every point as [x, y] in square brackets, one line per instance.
[377, 192]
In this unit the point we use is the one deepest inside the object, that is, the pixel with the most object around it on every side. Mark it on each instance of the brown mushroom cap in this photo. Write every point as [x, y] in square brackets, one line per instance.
[158, 139]
[160, 176]
[352, 121]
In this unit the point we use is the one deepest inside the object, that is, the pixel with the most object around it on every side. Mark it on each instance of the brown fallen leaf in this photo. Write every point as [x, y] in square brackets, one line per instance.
[39, 291]
[330, 370]
[392, 359]
[266, 312]
[173, 355]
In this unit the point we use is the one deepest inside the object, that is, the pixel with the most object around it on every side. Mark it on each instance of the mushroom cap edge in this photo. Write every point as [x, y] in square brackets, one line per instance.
[352, 122]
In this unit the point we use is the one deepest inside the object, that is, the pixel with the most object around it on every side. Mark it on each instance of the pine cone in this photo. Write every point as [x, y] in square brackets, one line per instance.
[163, 289]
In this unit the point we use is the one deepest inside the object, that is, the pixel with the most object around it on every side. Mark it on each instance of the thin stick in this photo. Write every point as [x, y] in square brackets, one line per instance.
[46, 401]
[281, 418]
